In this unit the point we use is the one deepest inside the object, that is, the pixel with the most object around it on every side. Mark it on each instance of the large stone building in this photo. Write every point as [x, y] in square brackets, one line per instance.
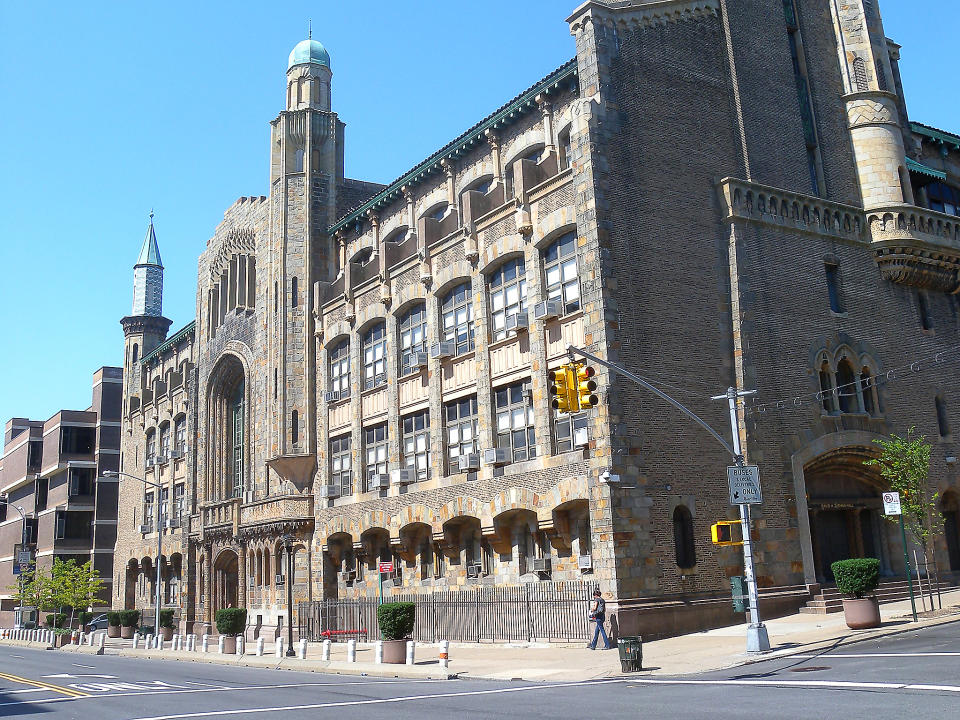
[713, 194]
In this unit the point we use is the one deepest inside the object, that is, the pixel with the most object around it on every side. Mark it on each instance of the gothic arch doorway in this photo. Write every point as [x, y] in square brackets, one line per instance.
[226, 580]
[950, 508]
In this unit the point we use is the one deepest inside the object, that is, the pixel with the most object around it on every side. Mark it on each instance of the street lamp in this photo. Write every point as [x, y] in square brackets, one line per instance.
[158, 486]
[288, 541]
[24, 541]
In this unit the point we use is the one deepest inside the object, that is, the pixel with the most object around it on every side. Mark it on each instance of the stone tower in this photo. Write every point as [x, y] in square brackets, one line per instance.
[305, 166]
[145, 328]
[873, 107]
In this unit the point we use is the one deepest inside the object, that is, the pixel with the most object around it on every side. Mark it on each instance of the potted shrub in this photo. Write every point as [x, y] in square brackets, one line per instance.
[113, 624]
[129, 619]
[166, 624]
[85, 617]
[230, 623]
[855, 579]
[55, 621]
[396, 622]
[61, 637]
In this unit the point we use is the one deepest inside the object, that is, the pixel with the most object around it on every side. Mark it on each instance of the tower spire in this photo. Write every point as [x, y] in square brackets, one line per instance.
[309, 29]
[148, 276]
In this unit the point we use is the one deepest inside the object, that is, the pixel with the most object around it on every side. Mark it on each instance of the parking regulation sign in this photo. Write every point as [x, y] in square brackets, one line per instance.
[891, 503]
[386, 567]
[24, 557]
[744, 485]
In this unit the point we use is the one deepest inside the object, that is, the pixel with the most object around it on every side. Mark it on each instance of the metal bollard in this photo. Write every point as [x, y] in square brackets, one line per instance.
[444, 653]
[278, 647]
[205, 643]
[326, 650]
[410, 651]
[259, 647]
[220, 647]
[302, 650]
[351, 651]
[378, 652]
[136, 640]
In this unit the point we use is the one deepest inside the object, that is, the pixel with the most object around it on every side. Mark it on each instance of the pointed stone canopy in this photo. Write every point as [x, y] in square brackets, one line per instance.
[150, 252]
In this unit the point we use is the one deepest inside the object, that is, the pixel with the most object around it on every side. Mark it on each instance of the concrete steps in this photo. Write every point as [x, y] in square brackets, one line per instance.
[829, 600]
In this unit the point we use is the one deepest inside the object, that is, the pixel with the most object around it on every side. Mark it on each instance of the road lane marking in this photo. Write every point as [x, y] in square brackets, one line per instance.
[88, 667]
[775, 682]
[69, 692]
[878, 655]
[25, 690]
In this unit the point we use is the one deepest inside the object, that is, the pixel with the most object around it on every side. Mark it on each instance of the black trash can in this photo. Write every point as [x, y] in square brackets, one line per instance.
[631, 654]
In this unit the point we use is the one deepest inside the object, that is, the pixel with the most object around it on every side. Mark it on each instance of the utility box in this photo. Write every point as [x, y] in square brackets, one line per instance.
[738, 589]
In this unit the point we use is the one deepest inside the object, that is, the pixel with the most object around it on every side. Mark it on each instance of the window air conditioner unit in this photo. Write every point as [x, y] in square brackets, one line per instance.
[253, 582]
[442, 350]
[151, 461]
[279, 580]
[541, 565]
[403, 476]
[496, 456]
[546, 310]
[173, 523]
[585, 563]
[379, 481]
[162, 458]
[331, 396]
[176, 454]
[416, 359]
[469, 461]
[347, 576]
[474, 570]
[517, 323]
[144, 529]
[329, 491]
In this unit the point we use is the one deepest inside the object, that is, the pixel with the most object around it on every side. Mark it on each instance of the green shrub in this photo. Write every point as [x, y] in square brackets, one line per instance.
[61, 631]
[396, 620]
[113, 617]
[145, 630]
[84, 617]
[166, 619]
[56, 620]
[29, 625]
[129, 618]
[856, 577]
[231, 621]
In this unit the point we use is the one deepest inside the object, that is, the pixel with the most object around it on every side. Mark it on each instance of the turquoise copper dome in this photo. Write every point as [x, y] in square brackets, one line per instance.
[309, 51]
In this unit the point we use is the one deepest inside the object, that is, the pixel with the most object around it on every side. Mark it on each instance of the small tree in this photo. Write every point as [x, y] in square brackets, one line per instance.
[904, 462]
[74, 586]
[34, 588]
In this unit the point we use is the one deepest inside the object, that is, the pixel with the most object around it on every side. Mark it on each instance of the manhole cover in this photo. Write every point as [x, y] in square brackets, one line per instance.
[809, 668]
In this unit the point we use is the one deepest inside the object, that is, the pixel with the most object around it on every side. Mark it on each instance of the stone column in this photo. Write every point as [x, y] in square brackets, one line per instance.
[242, 574]
[208, 583]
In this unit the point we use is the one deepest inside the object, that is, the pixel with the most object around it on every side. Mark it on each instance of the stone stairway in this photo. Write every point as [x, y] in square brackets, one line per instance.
[829, 599]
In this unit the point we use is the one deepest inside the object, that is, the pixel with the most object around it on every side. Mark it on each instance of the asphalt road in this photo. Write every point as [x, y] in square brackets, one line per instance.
[913, 674]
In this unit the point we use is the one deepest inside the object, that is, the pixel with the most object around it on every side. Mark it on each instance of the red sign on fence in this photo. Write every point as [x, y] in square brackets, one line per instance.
[386, 567]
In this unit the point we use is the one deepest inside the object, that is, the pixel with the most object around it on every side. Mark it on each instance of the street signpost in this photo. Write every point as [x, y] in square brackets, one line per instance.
[744, 484]
[891, 506]
[383, 568]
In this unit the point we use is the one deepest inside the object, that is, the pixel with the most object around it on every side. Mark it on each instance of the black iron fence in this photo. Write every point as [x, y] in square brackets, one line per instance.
[550, 611]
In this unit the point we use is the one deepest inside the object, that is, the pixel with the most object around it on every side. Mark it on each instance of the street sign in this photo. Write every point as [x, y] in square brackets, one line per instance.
[891, 503]
[386, 567]
[16, 568]
[744, 483]
[24, 557]
[738, 590]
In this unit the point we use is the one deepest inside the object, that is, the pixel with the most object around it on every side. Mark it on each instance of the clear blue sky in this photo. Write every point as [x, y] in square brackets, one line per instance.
[111, 109]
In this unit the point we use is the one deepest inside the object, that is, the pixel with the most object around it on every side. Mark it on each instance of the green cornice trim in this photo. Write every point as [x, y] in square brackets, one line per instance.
[936, 134]
[506, 115]
[918, 167]
[184, 332]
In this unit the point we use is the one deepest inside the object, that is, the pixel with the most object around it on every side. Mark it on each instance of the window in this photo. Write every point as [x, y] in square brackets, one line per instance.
[164, 506]
[151, 447]
[374, 357]
[515, 431]
[924, 310]
[563, 279]
[180, 436]
[508, 295]
[943, 424]
[683, 538]
[80, 481]
[294, 295]
[413, 338]
[237, 419]
[481, 186]
[34, 455]
[438, 212]
[40, 498]
[833, 286]
[826, 388]
[340, 369]
[943, 198]
[179, 497]
[868, 391]
[847, 387]
[148, 510]
[375, 446]
[340, 464]
[77, 440]
[571, 431]
[294, 427]
[457, 315]
[165, 442]
[461, 424]
[566, 148]
[416, 444]
[136, 352]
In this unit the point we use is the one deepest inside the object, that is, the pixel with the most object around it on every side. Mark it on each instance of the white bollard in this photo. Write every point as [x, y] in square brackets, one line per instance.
[259, 647]
[176, 642]
[241, 645]
[220, 647]
[378, 652]
[80, 638]
[326, 650]
[159, 645]
[445, 653]
[90, 639]
[410, 651]
[278, 647]
[136, 641]
[302, 650]
[102, 641]
[148, 643]
[205, 643]
[351, 651]
[192, 642]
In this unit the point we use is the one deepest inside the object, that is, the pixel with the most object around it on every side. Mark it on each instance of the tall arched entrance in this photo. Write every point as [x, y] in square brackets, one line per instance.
[226, 578]
[227, 416]
[845, 507]
[950, 507]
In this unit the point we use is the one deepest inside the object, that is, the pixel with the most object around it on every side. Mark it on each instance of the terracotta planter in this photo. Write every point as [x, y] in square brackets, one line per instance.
[166, 633]
[127, 632]
[862, 613]
[60, 640]
[395, 652]
[113, 631]
[229, 644]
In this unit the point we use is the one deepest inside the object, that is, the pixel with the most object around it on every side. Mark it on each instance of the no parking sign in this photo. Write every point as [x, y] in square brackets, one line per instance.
[891, 503]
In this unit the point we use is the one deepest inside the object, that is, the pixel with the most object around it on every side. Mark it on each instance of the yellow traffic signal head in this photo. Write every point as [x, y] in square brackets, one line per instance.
[721, 533]
[561, 389]
[586, 387]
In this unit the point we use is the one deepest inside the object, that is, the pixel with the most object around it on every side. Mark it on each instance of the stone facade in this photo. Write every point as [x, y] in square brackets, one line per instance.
[710, 196]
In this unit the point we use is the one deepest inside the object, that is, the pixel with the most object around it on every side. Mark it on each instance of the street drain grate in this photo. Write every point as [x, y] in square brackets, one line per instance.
[811, 668]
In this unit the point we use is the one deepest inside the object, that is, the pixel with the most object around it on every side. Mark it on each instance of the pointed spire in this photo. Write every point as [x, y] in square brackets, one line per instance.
[150, 252]
[309, 29]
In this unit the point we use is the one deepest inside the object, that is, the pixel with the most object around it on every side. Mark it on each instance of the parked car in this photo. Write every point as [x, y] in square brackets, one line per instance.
[99, 622]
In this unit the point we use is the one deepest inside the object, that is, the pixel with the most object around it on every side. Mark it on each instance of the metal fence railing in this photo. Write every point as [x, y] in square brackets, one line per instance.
[548, 611]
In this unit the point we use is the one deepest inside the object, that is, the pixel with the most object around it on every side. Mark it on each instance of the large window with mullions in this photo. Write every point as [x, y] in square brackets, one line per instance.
[562, 274]
[514, 420]
[374, 357]
[413, 337]
[456, 314]
[340, 369]
[508, 295]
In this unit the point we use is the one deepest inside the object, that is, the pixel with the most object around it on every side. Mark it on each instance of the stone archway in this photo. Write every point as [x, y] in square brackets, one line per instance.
[950, 508]
[226, 581]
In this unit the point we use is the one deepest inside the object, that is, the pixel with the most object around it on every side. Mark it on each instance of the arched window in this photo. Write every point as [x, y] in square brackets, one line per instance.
[164, 442]
[833, 286]
[943, 424]
[298, 160]
[826, 388]
[151, 454]
[847, 387]
[340, 370]
[481, 186]
[294, 427]
[860, 75]
[924, 310]
[683, 538]
[136, 353]
[294, 296]
[374, 356]
[457, 316]
[508, 295]
[438, 212]
[237, 420]
[562, 274]
[868, 391]
[566, 150]
[413, 338]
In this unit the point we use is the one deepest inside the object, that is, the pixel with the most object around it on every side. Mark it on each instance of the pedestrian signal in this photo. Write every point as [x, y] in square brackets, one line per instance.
[586, 386]
[562, 390]
[721, 533]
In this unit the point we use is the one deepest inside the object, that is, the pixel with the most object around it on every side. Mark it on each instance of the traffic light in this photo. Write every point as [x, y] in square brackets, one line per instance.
[562, 390]
[722, 533]
[586, 387]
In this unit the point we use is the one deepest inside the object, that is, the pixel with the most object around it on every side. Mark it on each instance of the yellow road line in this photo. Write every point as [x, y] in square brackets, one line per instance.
[69, 692]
